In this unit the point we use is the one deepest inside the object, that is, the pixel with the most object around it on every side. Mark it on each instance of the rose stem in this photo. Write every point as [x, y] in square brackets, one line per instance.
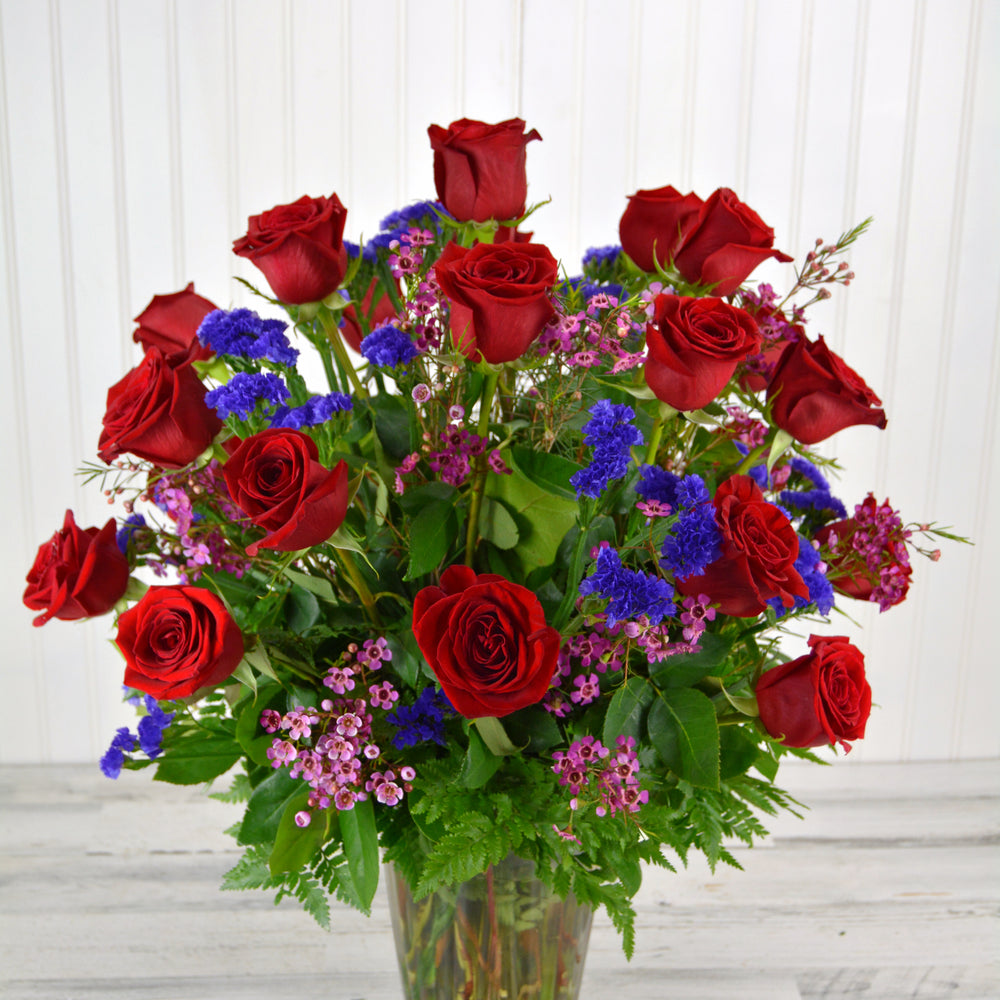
[346, 560]
[333, 337]
[479, 483]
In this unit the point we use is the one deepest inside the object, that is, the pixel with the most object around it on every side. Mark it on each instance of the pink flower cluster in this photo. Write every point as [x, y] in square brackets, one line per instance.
[594, 774]
[589, 339]
[579, 656]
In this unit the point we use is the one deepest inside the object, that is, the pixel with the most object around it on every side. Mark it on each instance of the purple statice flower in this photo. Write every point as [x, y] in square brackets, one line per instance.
[819, 500]
[812, 569]
[129, 527]
[421, 721]
[121, 743]
[658, 484]
[610, 435]
[388, 347]
[243, 391]
[151, 726]
[353, 249]
[601, 256]
[630, 593]
[242, 333]
[316, 410]
[411, 215]
[692, 492]
[694, 543]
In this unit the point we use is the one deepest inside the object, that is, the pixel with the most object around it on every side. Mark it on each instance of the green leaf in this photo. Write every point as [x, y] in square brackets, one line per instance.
[357, 828]
[431, 533]
[547, 471]
[317, 585]
[392, 424]
[258, 659]
[494, 736]
[245, 675]
[738, 751]
[251, 737]
[533, 728]
[302, 609]
[689, 668]
[684, 730]
[266, 807]
[496, 525]
[480, 762]
[294, 845]
[628, 706]
[198, 755]
[542, 519]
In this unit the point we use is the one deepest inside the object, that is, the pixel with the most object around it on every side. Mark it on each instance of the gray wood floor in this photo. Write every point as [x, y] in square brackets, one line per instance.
[889, 889]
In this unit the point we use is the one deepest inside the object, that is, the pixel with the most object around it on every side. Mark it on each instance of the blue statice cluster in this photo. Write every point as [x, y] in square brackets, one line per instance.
[316, 410]
[601, 256]
[129, 527]
[630, 594]
[241, 394]
[396, 224]
[694, 541]
[388, 347]
[812, 569]
[610, 435]
[819, 498]
[148, 738]
[422, 721]
[242, 333]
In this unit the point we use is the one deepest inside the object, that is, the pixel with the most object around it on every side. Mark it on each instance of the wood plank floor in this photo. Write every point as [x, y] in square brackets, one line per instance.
[889, 889]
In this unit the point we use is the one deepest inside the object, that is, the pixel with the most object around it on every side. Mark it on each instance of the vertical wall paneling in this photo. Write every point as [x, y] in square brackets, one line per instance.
[136, 138]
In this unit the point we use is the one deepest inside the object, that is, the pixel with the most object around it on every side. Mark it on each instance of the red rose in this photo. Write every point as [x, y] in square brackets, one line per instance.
[170, 322]
[759, 549]
[486, 640]
[694, 347]
[78, 573]
[299, 247]
[177, 640]
[819, 698]
[776, 332]
[727, 241]
[157, 412]
[275, 478]
[479, 169]
[658, 218]
[499, 294]
[813, 394]
[868, 559]
[383, 311]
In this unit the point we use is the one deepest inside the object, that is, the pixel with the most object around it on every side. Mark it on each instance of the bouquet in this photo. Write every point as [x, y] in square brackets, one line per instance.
[545, 568]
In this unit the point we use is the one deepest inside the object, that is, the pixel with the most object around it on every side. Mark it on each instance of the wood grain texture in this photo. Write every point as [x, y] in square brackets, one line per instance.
[889, 889]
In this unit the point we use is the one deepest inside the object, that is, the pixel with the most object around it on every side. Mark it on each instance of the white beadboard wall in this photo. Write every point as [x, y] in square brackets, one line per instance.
[136, 136]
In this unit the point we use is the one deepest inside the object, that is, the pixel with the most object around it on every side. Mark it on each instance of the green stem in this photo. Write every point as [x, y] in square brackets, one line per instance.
[654, 440]
[361, 588]
[479, 483]
[751, 460]
[340, 352]
[573, 577]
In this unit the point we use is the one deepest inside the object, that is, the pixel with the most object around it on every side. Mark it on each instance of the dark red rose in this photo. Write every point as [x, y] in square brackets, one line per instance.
[157, 412]
[822, 697]
[177, 640]
[487, 642]
[170, 322]
[276, 479]
[382, 312]
[499, 295]
[759, 549]
[813, 394]
[78, 573]
[479, 169]
[694, 347]
[659, 218]
[299, 247]
[727, 241]
[866, 555]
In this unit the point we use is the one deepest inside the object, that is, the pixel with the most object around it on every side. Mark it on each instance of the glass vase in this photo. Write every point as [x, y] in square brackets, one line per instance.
[503, 935]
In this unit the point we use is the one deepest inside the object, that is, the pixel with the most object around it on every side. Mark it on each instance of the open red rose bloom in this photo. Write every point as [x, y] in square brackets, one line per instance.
[487, 642]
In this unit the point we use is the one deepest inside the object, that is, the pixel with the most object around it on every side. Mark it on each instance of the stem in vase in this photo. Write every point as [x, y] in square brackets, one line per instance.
[479, 483]
[340, 352]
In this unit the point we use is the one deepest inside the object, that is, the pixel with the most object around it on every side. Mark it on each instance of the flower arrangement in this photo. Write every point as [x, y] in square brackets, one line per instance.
[522, 577]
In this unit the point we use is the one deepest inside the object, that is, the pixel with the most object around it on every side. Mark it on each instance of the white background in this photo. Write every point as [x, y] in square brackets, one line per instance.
[136, 136]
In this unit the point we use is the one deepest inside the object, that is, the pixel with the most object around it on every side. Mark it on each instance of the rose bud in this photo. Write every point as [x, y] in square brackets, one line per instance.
[157, 412]
[479, 169]
[177, 640]
[78, 573]
[299, 248]
[499, 296]
[657, 218]
[726, 242]
[487, 642]
[822, 697]
[376, 316]
[170, 322]
[276, 479]
[694, 347]
[813, 394]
